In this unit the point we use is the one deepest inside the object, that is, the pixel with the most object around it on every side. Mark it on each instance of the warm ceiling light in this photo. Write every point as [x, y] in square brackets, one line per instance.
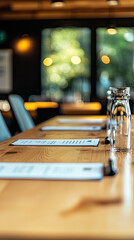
[57, 3]
[113, 2]
[111, 30]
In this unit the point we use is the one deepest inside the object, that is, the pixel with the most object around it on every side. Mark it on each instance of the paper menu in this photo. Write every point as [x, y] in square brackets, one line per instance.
[57, 142]
[71, 128]
[92, 120]
[52, 171]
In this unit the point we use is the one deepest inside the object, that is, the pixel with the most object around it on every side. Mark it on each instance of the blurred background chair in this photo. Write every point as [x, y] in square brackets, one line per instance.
[4, 131]
[22, 116]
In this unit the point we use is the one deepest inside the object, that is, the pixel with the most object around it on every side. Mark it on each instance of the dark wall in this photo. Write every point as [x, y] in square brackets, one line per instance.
[26, 67]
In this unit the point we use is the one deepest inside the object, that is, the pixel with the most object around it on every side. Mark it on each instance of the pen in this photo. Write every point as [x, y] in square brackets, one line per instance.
[110, 170]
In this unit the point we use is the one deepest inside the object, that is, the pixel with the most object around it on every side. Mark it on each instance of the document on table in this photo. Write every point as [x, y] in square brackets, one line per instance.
[57, 142]
[92, 120]
[52, 171]
[71, 128]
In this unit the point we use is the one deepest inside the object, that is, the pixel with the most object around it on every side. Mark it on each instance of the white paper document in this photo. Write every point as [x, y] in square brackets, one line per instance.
[92, 120]
[52, 171]
[57, 142]
[71, 128]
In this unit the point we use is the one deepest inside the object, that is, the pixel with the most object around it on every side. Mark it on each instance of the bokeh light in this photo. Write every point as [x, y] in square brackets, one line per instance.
[47, 62]
[75, 60]
[111, 31]
[105, 59]
[24, 44]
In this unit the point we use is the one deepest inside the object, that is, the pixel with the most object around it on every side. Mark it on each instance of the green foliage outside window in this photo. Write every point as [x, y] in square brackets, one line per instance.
[120, 50]
[68, 50]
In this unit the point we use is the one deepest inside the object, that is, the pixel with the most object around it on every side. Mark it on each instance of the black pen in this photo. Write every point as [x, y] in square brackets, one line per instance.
[110, 170]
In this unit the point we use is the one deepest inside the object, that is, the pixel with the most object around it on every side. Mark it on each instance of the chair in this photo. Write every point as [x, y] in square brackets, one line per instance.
[20, 113]
[4, 132]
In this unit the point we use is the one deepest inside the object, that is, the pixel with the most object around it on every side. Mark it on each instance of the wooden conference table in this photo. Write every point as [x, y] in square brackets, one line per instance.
[40, 209]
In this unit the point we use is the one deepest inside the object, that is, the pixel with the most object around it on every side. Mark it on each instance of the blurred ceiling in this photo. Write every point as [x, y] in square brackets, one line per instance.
[42, 9]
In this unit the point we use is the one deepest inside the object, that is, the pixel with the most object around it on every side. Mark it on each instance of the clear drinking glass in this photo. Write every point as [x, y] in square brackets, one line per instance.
[120, 123]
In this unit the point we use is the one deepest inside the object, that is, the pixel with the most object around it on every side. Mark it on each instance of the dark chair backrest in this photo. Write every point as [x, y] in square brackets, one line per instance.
[4, 131]
[22, 116]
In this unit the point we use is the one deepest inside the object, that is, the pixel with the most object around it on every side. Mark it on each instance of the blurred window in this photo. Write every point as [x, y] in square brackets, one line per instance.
[115, 60]
[65, 64]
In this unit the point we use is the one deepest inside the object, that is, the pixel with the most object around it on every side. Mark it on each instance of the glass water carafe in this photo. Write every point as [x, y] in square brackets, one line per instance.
[120, 123]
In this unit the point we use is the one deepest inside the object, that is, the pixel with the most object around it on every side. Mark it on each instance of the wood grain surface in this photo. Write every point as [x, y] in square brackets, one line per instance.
[40, 209]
